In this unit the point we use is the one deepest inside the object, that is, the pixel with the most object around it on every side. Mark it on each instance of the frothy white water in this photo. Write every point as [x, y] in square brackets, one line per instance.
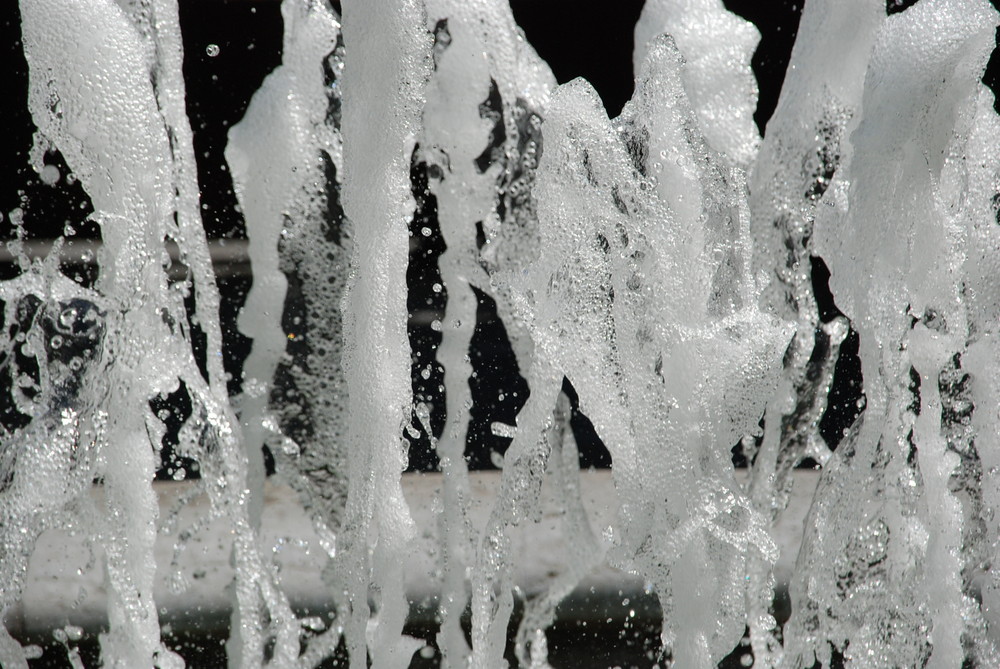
[383, 96]
[659, 261]
[908, 174]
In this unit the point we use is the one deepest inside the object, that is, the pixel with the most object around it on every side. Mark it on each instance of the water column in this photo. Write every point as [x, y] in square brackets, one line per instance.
[887, 545]
[93, 100]
[453, 136]
[797, 161]
[388, 58]
[276, 155]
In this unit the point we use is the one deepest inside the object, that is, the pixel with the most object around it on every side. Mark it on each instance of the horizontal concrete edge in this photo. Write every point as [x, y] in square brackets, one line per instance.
[65, 583]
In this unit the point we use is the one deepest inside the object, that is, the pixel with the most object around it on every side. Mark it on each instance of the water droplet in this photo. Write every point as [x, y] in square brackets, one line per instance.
[314, 623]
[50, 175]
[66, 319]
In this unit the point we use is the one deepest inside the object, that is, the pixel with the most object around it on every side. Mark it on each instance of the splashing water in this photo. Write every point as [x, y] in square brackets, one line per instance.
[658, 262]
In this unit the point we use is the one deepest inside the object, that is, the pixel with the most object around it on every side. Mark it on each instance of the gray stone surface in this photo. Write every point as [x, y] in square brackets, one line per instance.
[65, 584]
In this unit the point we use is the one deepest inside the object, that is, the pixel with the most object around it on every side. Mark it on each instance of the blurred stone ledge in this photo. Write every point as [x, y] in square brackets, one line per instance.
[230, 257]
[65, 584]
[230, 260]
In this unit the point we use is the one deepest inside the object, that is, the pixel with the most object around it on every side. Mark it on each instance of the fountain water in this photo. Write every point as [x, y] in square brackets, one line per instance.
[659, 262]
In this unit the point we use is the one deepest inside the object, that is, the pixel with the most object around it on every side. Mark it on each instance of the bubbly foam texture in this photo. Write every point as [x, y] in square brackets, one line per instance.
[716, 46]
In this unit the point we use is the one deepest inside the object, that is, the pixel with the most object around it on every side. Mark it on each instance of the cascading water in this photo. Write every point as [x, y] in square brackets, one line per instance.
[659, 262]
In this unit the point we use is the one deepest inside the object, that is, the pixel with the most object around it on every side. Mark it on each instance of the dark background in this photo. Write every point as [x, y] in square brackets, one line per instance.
[577, 37]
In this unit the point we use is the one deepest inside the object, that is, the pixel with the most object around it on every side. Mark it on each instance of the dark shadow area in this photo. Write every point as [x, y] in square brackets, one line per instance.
[585, 39]
[593, 628]
[778, 23]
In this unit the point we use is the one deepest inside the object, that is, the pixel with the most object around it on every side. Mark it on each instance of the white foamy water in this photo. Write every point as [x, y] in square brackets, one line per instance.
[659, 261]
